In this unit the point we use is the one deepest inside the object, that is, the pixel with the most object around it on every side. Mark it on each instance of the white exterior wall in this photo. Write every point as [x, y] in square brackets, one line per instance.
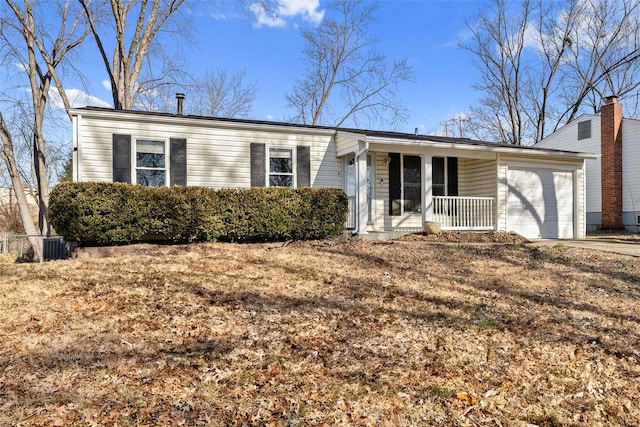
[476, 178]
[381, 190]
[630, 166]
[217, 157]
[580, 192]
[502, 193]
[567, 139]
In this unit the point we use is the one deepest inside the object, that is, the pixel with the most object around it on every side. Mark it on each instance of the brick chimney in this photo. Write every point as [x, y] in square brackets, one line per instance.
[611, 162]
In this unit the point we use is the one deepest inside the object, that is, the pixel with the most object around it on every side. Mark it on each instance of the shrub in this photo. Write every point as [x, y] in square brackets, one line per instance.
[114, 213]
[100, 213]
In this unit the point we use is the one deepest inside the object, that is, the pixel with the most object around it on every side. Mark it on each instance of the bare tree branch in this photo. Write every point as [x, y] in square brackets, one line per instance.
[548, 62]
[40, 55]
[341, 63]
[130, 51]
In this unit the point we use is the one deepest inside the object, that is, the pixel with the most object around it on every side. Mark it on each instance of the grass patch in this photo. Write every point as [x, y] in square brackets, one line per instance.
[438, 392]
[488, 323]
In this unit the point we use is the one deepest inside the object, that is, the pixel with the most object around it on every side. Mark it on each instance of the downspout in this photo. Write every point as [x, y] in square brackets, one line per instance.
[75, 153]
[364, 148]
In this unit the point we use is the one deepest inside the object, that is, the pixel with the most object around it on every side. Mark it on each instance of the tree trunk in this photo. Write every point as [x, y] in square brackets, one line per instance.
[23, 205]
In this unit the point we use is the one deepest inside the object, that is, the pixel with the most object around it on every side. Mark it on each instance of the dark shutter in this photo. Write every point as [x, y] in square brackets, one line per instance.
[258, 165]
[452, 176]
[178, 161]
[303, 173]
[395, 185]
[122, 158]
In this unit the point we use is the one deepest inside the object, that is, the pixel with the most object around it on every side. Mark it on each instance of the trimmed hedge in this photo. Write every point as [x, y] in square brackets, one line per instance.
[114, 214]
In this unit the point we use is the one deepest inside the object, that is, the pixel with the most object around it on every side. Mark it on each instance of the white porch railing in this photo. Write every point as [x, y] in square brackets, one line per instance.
[464, 213]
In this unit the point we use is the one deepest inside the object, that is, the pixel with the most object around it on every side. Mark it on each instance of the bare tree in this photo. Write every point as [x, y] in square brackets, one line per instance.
[605, 54]
[134, 44]
[498, 43]
[224, 94]
[8, 155]
[219, 93]
[29, 42]
[543, 63]
[342, 64]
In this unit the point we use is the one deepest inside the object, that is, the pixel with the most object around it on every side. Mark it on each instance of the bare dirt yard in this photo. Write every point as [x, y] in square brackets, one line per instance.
[323, 333]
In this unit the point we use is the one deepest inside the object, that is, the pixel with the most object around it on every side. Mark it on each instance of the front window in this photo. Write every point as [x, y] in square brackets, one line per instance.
[412, 183]
[444, 177]
[281, 167]
[405, 184]
[150, 163]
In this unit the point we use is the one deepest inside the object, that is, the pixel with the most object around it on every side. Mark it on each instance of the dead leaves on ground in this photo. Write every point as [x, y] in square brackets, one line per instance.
[318, 333]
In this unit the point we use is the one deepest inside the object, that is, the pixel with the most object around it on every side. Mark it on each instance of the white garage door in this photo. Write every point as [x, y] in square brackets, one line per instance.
[540, 203]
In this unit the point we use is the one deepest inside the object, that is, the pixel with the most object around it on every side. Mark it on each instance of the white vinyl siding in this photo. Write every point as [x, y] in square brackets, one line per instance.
[567, 139]
[476, 178]
[580, 197]
[382, 191]
[631, 166]
[501, 201]
[217, 157]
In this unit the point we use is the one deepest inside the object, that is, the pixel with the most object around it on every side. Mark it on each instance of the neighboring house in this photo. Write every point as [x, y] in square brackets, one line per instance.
[613, 180]
[9, 215]
[7, 197]
[395, 181]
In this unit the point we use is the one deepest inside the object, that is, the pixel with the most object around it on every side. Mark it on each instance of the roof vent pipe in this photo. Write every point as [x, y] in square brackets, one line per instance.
[180, 98]
[416, 131]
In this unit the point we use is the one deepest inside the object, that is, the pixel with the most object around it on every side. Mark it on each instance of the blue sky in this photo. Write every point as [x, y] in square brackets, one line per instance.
[423, 31]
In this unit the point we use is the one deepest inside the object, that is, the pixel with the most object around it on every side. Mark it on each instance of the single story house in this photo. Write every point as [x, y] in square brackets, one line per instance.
[395, 181]
[613, 180]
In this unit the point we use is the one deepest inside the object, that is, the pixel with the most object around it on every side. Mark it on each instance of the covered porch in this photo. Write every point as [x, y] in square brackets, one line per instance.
[397, 182]
[400, 191]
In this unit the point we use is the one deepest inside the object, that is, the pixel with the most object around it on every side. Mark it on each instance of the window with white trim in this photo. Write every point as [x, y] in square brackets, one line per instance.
[281, 167]
[150, 162]
[411, 184]
[444, 176]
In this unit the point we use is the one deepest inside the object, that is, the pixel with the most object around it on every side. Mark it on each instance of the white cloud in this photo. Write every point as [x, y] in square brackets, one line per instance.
[263, 18]
[77, 98]
[21, 66]
[270, 117]
[306, 9]
[106, 84]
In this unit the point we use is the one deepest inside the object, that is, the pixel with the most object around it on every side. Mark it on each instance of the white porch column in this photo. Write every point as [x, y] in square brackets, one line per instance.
[427, 189]
[361, 189]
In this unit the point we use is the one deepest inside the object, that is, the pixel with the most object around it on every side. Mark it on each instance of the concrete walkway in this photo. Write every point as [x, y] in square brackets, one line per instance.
[623, 247]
